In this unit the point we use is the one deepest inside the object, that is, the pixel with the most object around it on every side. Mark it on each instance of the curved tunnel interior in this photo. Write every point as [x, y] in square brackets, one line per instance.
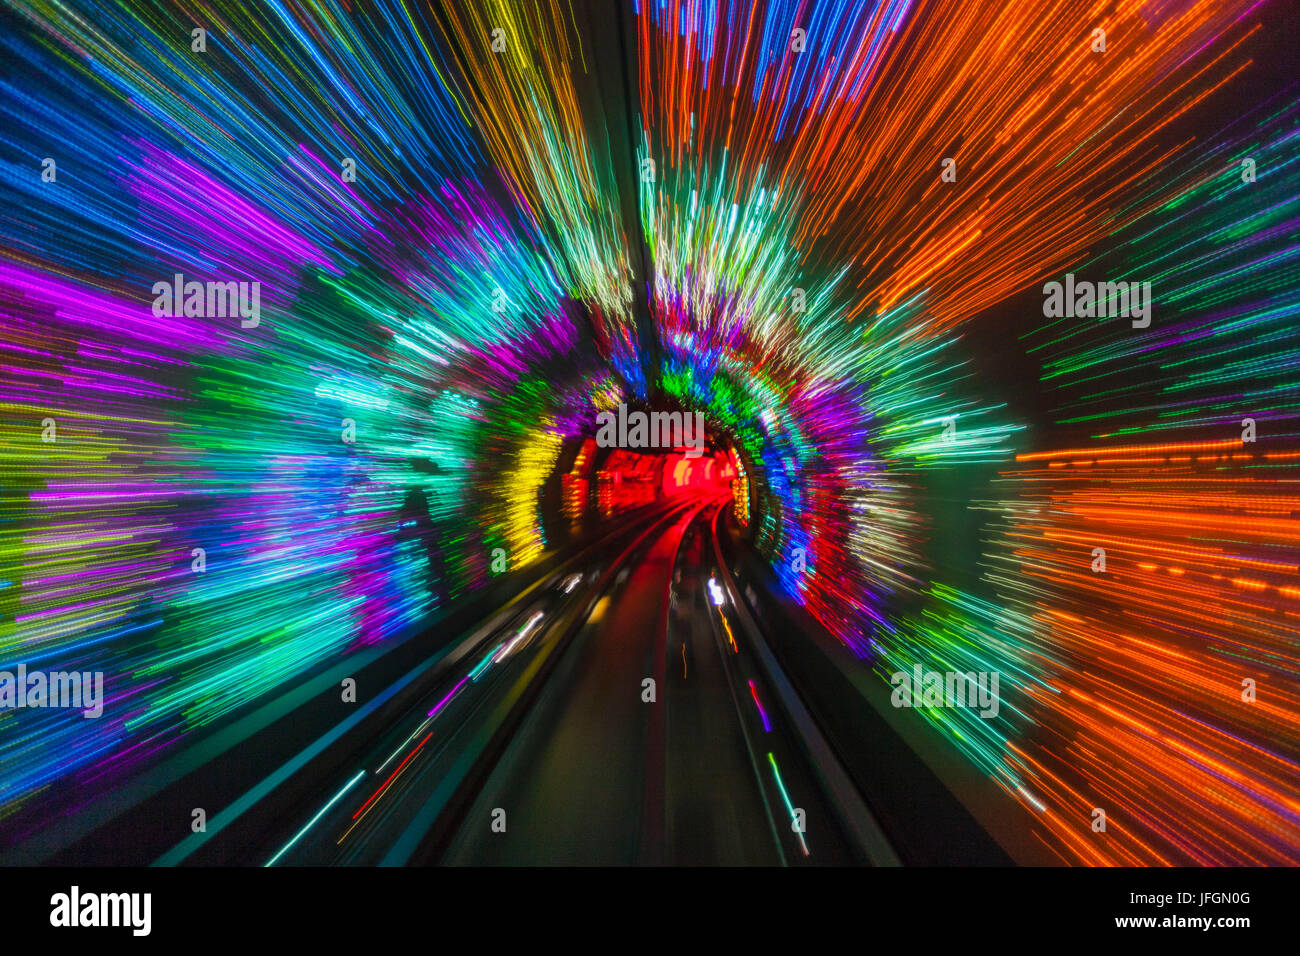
[698, 448]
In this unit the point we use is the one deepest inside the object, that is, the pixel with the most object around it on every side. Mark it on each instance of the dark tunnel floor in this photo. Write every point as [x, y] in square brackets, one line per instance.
[580, 782]
[548, 751]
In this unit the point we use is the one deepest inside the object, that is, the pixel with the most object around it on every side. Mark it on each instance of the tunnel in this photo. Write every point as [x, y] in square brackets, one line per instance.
[648, 433]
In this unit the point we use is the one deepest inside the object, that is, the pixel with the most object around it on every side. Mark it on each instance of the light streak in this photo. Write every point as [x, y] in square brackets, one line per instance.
[753, 692]
[319, 813]
[785, 797]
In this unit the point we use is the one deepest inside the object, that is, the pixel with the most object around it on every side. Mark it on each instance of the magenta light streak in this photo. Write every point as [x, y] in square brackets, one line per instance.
[442, 703]
[753, 691]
